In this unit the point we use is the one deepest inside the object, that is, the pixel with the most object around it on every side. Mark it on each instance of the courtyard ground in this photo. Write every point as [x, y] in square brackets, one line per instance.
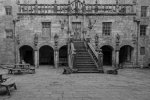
[50, 84]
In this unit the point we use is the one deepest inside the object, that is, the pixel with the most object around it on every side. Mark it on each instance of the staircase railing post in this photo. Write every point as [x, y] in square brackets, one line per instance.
[100, 59]
[88, 39]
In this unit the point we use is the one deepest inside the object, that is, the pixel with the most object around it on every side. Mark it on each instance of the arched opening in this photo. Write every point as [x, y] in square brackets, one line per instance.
[26, 54]
[63, 55]
[107, 55]
[46, 55]
[125, 54]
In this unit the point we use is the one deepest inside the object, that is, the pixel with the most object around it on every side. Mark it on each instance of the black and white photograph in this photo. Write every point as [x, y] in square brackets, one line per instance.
[74, 49]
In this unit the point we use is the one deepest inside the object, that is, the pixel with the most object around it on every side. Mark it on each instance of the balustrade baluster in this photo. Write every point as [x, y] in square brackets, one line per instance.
[78, 7]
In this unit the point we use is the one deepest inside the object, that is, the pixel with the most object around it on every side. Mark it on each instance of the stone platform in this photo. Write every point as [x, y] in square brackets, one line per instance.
[50, 84]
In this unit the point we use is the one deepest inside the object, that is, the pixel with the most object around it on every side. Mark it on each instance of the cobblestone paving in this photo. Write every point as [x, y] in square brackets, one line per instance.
[51, 84]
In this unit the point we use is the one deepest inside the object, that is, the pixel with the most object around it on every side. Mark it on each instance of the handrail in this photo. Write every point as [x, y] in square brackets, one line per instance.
[93, 50]
[95, 55]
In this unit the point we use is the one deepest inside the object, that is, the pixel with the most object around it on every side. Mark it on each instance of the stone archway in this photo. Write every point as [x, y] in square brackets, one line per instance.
[27, 54]
[125, 54]
[63, 55]
[107, 55]
[46, 55]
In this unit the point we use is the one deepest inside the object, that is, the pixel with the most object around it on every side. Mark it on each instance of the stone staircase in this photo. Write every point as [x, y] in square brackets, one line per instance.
[84, 62]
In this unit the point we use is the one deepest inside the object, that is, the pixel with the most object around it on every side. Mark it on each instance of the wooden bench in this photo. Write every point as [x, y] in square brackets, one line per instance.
[20, 68]
[15, 70]
[9, 83]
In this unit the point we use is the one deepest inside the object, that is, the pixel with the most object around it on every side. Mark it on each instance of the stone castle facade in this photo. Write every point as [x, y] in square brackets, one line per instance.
[32, 37]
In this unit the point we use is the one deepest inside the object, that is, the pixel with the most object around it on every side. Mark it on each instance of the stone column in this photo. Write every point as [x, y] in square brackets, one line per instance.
[56, 57]
[100, 60]
[36, 61]
[117, 55]
[117, 58]
[134, 57]
[117, 50]
[18, 54]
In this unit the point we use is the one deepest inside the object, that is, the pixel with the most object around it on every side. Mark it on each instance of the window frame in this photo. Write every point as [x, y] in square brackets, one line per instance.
[106, 28]
[8, 35]
[46, 25]
[143, 30]
[8, 10]
[144, 11]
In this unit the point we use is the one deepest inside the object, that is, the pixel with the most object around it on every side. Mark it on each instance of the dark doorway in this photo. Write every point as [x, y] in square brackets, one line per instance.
[46, 55]
[26, 54]
[107, 55]
[63, 55]
[125, 54]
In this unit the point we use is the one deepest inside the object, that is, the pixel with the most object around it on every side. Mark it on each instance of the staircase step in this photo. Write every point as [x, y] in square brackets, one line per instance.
[87, 72]
[83, 52]
[79, 70]
[84, 58]
[84, 62]
[80, 55]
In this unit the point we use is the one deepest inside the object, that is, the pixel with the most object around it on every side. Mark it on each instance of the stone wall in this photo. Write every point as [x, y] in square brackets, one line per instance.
[28, 26]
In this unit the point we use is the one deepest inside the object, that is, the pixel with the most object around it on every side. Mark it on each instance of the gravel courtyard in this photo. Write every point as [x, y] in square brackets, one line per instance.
[50, 84]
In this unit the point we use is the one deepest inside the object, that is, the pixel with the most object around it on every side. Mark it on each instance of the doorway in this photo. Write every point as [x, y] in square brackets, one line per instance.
[125, 54]
[63, 55]
[46, 55]
[26, 54]
[107, 55]
[76, 26]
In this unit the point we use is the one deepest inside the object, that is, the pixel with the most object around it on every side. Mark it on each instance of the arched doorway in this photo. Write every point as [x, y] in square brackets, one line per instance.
[125, 54]
[26, 54]
[46, 55]
[107, 55]
[63, 55]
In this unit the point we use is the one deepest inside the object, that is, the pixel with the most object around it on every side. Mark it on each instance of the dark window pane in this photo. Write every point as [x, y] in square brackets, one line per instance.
[143, 29]
[8, 10]
[144, 11]
[107, 28]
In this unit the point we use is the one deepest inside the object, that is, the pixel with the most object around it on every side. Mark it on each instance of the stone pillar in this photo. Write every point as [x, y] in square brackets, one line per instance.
[117, 55]
[56, 57]
[117, 58]
[134, 57]
[100, 60]
[117, 50]
[36, 60]
[18, 54]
